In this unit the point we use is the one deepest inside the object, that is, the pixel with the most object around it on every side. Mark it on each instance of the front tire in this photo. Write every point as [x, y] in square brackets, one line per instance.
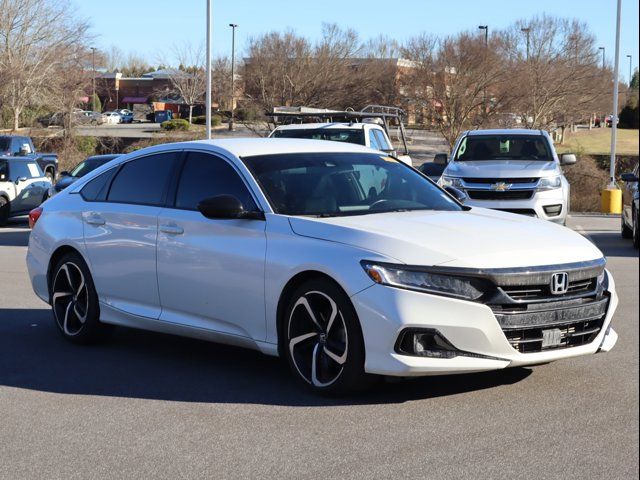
[74, 301]
[625, 231]
[636, 234]
[322, 340]
[5, 208]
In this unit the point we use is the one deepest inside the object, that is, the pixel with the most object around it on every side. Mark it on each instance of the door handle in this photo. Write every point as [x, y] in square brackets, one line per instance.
[172, 229]
[95, 219]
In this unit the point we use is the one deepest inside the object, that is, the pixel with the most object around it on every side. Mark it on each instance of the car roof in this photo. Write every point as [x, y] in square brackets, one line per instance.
[504, 131]
[109, 156]
[315, 126]
[246, 147]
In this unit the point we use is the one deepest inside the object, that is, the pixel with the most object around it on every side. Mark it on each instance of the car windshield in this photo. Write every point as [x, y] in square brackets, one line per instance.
[348, 135]
[340, 184]
[503, 147]
[87, 166]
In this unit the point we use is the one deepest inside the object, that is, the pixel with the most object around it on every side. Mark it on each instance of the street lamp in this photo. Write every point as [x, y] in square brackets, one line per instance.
[207, 106]
[486, 33]
[233, 78]
[93, 79]
[527, 31]
[630, 57]
[603, 51]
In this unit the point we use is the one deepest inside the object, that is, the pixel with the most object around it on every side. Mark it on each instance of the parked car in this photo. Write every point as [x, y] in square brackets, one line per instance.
[369, 134]
[86, 117]
[126, 115]
[608, 120]
[515, 171]
[23, 187]
[111, 118]
[434, 169]
[160, 116]
[630, 208]
[80, 170]
[370, 267]
[22, 146]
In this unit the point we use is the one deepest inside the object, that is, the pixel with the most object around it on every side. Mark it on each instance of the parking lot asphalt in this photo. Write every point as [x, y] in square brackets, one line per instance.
[146, 405]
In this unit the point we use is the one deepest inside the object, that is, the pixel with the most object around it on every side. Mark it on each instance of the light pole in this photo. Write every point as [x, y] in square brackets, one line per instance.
[614, 111]
[603, 52]
[486, 34]
[208, 95]
[527, 31]
[93, 79]
[630, 57]
[233, 65]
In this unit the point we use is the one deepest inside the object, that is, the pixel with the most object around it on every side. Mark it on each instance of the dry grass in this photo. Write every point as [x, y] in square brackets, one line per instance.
[598, 142]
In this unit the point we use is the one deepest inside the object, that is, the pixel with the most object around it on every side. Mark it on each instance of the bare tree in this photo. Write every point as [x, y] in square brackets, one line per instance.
[35, 36]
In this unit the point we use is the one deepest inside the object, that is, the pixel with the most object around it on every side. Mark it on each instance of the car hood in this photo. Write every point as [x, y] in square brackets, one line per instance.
[502, 169]
[478, 238]
[64, 182]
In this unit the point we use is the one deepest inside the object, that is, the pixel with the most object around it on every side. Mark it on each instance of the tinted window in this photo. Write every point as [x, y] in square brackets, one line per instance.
[143, 181]
[333, 134]
[96, 190]
[204, 176]
[5, 144]
[25, 170]
[89, 165]
[382, 141]
[503, 147]
[337, 184]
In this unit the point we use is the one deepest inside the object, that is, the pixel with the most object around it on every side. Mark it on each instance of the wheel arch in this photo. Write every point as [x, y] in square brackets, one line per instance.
[288, 290]
[58, 253]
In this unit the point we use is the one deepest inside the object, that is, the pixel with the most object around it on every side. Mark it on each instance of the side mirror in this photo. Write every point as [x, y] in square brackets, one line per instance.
[457, 194]
[629, 177]
[441, 159]
[568, 159]
[21, 179]
[225, 207]
[24, 150]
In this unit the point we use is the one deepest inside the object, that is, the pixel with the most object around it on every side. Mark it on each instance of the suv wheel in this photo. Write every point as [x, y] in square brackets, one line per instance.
[624, 229]
[636, 234]
[5, 206]
[322, 340]
[74, 301]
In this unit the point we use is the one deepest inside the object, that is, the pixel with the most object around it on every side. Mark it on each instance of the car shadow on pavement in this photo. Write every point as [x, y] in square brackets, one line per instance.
[612, 244]
[16, 233]
[136, 364]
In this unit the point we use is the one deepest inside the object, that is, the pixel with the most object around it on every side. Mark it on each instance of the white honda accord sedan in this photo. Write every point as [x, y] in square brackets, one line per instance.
[344, 261]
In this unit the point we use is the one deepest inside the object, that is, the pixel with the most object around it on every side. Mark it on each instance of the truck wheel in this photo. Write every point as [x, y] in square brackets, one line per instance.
[5, 206]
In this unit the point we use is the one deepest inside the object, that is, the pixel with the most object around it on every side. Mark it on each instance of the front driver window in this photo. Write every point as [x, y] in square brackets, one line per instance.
[204, 176]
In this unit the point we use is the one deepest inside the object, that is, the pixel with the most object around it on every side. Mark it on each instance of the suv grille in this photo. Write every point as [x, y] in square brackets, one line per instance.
[497, 180]
[495, 195]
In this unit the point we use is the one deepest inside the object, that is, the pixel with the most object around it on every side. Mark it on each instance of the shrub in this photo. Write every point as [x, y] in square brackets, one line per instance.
[202, 120]
[246, 114]
[175, 124]
[86, 145]
[629, 117]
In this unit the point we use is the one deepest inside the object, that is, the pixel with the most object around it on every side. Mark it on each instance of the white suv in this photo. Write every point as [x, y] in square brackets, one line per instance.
[23, 187]
[369, 134]
[515, 171]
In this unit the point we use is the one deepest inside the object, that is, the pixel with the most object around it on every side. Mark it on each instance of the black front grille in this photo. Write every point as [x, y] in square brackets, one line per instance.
[495, 195]
[570, 323]
[500, 180]
[539, 292]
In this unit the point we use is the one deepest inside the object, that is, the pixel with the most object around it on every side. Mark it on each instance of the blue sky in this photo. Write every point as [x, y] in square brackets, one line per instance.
[149, 27]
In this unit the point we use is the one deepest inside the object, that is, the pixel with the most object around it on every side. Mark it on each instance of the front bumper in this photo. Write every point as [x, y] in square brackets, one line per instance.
[532, 206]
[471, 327]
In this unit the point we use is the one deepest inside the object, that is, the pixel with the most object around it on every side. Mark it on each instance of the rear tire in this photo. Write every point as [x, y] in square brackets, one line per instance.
[636, 233]
[624, 229]
[5, 208]
[74, 302]
[322, 340]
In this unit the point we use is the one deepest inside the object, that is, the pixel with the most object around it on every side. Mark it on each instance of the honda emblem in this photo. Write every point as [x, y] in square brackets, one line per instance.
[559, 283]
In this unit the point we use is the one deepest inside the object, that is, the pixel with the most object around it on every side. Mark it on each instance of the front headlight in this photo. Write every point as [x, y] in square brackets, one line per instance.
[446, 181]
[412, 278]
[550, 183]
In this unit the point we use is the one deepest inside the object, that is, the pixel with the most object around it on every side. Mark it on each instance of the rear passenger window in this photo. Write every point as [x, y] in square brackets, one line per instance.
[382, 141]
[143, 181]
[96, 190]
[204, 176]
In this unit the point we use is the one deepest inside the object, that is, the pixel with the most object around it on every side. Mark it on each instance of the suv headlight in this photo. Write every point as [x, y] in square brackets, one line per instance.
[549, 183]
[455, 182]
[419, 279]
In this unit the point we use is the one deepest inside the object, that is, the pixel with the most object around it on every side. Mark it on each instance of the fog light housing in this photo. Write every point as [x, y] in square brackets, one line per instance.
[553, 210]
[425, 343]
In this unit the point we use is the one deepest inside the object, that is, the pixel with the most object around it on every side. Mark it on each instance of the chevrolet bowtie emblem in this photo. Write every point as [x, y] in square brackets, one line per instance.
[501, 186]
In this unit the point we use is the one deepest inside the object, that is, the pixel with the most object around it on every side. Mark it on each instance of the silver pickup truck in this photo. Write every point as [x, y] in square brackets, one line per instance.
[515, 171]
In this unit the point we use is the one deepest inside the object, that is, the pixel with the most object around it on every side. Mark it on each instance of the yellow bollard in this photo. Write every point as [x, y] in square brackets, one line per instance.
[612, 200]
